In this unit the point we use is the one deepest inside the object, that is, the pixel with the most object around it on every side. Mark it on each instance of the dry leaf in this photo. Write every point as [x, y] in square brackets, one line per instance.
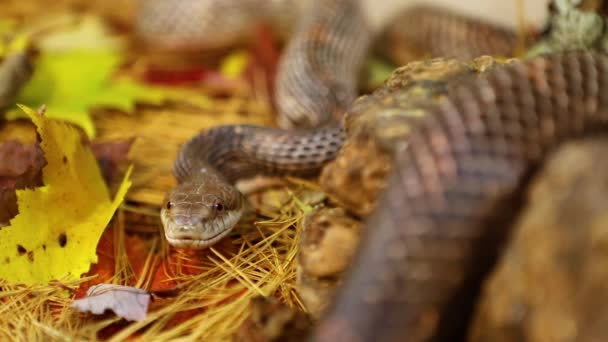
[127, 302]
[15, 71]
[111, 154]
[20, 167]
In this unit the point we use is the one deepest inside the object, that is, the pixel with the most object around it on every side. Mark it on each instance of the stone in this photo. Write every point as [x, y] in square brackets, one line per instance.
[551, 284]
[328, 243]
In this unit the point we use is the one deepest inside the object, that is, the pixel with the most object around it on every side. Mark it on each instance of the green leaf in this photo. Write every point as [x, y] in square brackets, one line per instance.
[378, 71]
[71, 83]
[74, 73]
[68, 83]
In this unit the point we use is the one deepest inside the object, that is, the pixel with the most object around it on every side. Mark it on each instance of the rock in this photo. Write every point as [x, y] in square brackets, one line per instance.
[551, 283]
[376, 122]
[574, 25]
[328, 243]
[357, 175]
[271, 320]
[375, 125]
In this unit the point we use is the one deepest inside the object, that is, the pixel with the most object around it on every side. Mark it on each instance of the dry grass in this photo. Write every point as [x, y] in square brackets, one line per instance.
[160, 131]
[260, 260]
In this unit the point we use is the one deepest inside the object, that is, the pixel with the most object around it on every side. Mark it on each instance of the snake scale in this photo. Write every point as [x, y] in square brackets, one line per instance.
[452, 190]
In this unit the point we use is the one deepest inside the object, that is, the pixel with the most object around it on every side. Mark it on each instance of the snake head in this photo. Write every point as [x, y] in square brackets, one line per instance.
[197, 214]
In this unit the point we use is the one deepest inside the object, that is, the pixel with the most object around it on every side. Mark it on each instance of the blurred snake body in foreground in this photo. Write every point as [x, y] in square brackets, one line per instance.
[451, 189]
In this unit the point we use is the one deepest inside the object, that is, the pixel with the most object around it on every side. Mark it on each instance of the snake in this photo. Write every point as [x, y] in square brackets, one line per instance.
[455, 183]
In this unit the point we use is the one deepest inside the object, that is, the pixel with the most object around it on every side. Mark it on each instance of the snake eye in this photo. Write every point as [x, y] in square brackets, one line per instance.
[218, 206]
[169, 205]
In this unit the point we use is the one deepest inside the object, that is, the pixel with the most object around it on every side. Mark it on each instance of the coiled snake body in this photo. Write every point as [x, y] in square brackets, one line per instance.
[450, 190]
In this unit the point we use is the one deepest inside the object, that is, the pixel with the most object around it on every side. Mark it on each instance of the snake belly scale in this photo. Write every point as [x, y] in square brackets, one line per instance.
[441, 220]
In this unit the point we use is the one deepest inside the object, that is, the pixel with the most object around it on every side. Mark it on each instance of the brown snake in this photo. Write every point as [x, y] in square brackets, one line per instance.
[450, 196]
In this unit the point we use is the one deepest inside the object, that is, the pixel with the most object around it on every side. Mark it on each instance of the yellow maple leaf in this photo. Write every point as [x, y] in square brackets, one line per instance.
[56, 232]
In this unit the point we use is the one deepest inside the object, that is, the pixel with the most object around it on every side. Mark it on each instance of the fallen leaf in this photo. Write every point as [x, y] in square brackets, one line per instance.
[105, 267]
[8, 205]
[378, 71]
[173, 76]
[235, 64]
[69, 83]
[56, 232]
[110, 155]
[15, 63]
[75, 73]
[87, 32]
[177, 79]
[125, 92]
[19, 160]
[12, 41]
[72, 83]
[266, 52]
[7, 27]
[127, 302]
[136, 250]
[20, 167]
[15, 71]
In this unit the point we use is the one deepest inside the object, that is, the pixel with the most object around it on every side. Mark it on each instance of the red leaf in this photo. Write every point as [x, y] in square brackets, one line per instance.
[104, 268]
[175, 77]
[266, 54]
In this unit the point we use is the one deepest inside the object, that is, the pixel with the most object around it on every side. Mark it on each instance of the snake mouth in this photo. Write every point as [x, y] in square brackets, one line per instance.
[194, 243]
[194, 238]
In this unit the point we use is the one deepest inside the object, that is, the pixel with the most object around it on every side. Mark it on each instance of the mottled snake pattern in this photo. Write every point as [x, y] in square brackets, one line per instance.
[453, 187]
[450, 197]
